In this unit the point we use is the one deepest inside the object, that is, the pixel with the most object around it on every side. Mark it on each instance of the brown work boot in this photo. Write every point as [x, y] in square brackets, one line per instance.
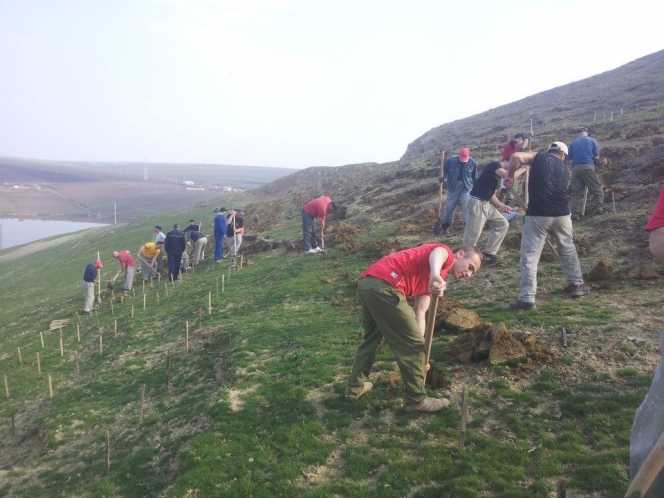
[578, 290]
[368, 386]
[428, 405]
[521, 305]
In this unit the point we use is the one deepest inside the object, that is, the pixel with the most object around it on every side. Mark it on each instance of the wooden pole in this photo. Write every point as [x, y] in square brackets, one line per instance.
[108, 452]
[209, 303]
[562, 487]
[217, 279]
[78, 333]
[78, 370]
[143, 286]
[62, 348]
[585, 199]
[166, 287]
[241, 260]
[78, 317]
[115, 327]
[428, 331]
[186, 337]
[168, 367]
[440, 186]
[20, 358]
[98, 282]
[38, 364]
[41, 338]
[140, 413]
[649, 470]
[157, 297]
[101, 345]
[50, 386]
[143, 302]
[464, 417]
[223, 279]
[613, 201]
[6, 386]
[112, 307]
[564, 337]
[132, 311]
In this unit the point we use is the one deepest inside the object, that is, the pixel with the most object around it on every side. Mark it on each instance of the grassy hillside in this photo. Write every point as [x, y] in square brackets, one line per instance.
[255, 407]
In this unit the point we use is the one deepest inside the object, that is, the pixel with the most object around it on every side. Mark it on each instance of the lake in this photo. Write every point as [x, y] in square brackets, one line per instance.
[14, 232]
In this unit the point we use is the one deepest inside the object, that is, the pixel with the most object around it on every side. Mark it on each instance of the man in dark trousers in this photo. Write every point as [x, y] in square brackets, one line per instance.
[317, 208]
[547, 214]
[460, 173]
[220, 229]
[234, 232]
[175, 244]
[387, 317]
[584, 155]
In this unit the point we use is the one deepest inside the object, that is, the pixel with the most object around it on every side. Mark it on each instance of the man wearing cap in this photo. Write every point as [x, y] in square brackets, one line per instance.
[220, 229]
[89, 281]
[584, 154]
[127, 266]
[192, 227]
[485, 208]
[234, 232]
[158, 238]
[547, 214]
[317, 208]
[460, 171]
[175, 244]
[147, 255]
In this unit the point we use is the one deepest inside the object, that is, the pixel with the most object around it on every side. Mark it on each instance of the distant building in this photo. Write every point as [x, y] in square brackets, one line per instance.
[188, 183]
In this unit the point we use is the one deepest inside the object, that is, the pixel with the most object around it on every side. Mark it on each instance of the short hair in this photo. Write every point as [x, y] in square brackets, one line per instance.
[470, 249]
[334, 206]
[519, 135]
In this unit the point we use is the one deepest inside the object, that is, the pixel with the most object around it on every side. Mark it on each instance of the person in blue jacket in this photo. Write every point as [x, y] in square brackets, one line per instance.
[220, 229]
[89, 281]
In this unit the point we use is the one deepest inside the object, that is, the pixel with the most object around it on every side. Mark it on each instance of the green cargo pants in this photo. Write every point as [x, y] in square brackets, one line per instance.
[388, 318]
[585, 175]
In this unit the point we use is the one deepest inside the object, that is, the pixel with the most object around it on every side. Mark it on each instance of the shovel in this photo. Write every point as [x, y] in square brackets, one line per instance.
[438, 226]
[98, 282]
[428, 331]
[649, 471]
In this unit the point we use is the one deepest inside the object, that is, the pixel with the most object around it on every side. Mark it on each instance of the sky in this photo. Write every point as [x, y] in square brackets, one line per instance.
[287, 83]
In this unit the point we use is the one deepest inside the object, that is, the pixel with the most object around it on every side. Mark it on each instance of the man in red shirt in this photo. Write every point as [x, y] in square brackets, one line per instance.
[128, 266]
[318, 208]
[388, 318]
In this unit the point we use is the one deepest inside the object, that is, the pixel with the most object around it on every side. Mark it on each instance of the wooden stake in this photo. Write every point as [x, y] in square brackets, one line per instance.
[562, 487]
[6, 386]
[115, 327]
[78, 317]
[241, 259]
[101, 345]
[217, 279]
[428, 331]
[38, 364]
[166, 287]
[78, 333]
[62, 348]
[108, 452]
[41, 337]
[464, 417]
[78, 370]
[649, 470]
[60, 328]
[209, 303]
[132, 311]
[143, 286]
[50, 386]
[140, 413]
[223, 278]
[143, 302]
[157, 297]
[112, 308]
[20, 358]
[613, 201]
[564, 337]
[168, 366]
[585, 199]
[186, 337]
[133, 292]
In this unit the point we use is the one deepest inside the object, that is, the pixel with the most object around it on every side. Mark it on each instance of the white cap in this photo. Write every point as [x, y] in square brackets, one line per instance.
[558, 146]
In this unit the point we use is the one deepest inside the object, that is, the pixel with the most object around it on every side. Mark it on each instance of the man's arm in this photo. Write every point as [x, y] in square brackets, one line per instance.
[517, 161]
[437, 286]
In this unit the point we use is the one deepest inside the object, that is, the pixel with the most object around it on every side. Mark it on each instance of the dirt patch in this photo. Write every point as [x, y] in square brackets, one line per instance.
[459, 320]
[642, 270]
[603, 271]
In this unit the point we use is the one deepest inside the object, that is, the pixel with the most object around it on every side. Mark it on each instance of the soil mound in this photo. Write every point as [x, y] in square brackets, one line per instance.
[460, 319]
[642, 270]
[603, 271]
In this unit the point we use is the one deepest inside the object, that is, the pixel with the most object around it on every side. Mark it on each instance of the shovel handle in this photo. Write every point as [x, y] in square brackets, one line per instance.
[428, 332]
[649, 471]
[548, 242]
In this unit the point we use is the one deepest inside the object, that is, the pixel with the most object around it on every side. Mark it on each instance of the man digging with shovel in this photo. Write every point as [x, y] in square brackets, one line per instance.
[89, 281]
[387, 317]
[128, 266]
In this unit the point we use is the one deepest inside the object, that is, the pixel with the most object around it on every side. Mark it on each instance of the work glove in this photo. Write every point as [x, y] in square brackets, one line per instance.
[441, 179]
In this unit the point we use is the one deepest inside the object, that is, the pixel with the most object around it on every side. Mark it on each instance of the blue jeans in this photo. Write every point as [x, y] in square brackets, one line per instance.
[309, 240]
[454, 193]
[218, 246]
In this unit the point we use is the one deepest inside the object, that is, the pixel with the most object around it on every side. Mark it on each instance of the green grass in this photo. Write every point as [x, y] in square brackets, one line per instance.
[256, 408]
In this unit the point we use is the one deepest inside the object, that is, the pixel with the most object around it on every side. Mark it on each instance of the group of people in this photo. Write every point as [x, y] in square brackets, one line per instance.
[421, 272]
[228, 229]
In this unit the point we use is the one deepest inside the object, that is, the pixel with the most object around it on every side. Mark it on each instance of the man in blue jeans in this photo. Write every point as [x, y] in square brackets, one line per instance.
[461, 173]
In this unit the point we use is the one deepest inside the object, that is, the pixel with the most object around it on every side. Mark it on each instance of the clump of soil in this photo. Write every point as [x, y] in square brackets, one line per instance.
[603, 271]
[406, 228]
[435, 378]
[583, 245]
[498, 346]
[460, 319]
[642, 270]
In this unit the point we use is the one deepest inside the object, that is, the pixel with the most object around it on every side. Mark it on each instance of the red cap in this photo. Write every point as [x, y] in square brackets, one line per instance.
[464, 155]
[98, 263]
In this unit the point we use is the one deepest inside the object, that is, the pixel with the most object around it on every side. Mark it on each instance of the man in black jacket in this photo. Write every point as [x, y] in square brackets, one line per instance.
[175, 244]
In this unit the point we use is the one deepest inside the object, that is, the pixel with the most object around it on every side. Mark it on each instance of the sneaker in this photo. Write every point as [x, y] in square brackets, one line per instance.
[427, 405]
[575, 217]
[490, 258]
[578, 290]
[368, 386]
[311, 251]
[318, 249]
[521, 305]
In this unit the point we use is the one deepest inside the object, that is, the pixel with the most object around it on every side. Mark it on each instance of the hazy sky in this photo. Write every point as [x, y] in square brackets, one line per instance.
[291, 83]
